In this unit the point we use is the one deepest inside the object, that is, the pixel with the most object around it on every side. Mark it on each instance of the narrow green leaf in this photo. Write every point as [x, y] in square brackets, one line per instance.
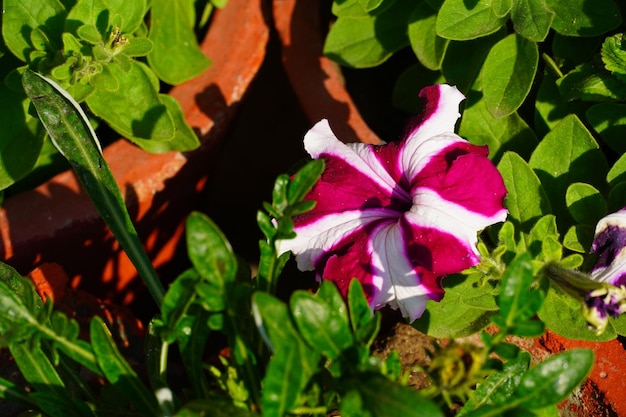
[37, 368]
[284, 380]
[426, 44]
[552, 380]
[214, 407]
[209, 250]
[585, 203]
[178, 298]
[526, 199]
[118, 372]
[21, 17]
[516, 301]
[135, 109]
[497, 388]
[324, 329]
[617, 173]
[509, 72]
[73, 136]
[576, 18]
[176, 56]
[304, 180]
[369, 40]
[461, 20]
[358, 307]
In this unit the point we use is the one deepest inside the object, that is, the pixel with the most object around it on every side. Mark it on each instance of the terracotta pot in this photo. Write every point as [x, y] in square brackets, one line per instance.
[57, 222]
[317, 80]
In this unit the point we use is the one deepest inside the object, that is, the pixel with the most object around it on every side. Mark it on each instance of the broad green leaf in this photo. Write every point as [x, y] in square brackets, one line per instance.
[184, 140]
[367, 41]
[609, 120]
[509, 73]
[361, 316]
[131, 12]
[585, 203]
[614, 55]
[552, 380]
[37, 368]
[463, 61]
[531, 19]
[543, 229]
[73, 136]
[562, 315]
[135, 110]
[617, 173]
[178, 298]
[21, 17]
[324, 329]
[136, 47]
[509, 133]
[566, 155]
[550, 106]
[176, 56]
[383, 397]
[526, 200]
[355, 8]
[578, 238]
[92, 13]
[586, 82]
[209, 250]
[516, 301]
[426, 44]
[369, 5]
[21, 139]
[579, 18]
[461, 20]
[117, 370]
[617, 197]
[451, 317]
[497, 388]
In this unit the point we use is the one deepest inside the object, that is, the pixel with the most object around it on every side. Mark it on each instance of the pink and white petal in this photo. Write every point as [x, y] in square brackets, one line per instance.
[314, 240]
[456, 223]
[398, 281]
[320, 141]
[467, 179]
[440, 113]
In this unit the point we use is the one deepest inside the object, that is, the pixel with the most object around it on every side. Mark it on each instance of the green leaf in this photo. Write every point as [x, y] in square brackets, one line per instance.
[585, 203]
[184, 140]
[176, 56]
[609, 121]
[614, 55]
[578, 238]
[37, 368]
[209, 250]
[461, 20]
[117, 371]
[178, 298]
[138, 47]
[132, 13]
[284, 380]
[214, 407]
[543, 229]
[325, 329]
[426, 44]
[22, 137]
[516, 301]
[451, 317]
[531, 19]
[463, 61]
[552, 380]
[590, 83]
[497, 388]
[566, 155]
[21, 17]
[412, 79]
[617, 173]
[617, 197]
[367, 41]
[304, 180]
[383, 397]
[72, 135]
[577, 18]
[509, 133]
[510, 70]
[135, 110]
[362, 319]
[526, 199]
[562, 315]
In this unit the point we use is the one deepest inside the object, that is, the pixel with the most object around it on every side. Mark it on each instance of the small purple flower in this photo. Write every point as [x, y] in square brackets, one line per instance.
[610, 246]
[399, 216]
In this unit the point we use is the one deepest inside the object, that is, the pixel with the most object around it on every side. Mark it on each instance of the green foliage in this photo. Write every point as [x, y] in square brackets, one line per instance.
[93, 48]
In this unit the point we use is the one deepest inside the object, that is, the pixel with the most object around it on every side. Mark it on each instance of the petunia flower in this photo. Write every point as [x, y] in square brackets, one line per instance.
[609, 244]
[402, 215]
